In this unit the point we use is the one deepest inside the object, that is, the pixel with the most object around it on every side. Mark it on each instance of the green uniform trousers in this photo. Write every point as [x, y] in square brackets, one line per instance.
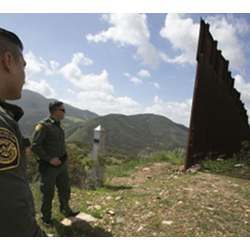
[52, 177]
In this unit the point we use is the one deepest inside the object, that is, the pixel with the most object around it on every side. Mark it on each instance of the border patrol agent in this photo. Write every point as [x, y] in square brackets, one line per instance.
[17, 213]
[49, 146]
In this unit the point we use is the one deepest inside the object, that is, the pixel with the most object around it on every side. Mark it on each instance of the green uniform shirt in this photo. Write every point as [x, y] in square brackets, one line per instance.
[49, 140]
[17, 213]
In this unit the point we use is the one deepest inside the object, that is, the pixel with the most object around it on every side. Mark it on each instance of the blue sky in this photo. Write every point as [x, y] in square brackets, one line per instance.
[126, 63]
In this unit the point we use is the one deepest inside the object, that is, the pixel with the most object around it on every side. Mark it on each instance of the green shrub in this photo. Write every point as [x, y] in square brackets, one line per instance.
[219, 165]
[125, 167]
[175, 157]
[79, 164]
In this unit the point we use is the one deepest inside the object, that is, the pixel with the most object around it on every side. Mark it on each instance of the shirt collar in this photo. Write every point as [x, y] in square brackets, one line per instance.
[53, 120]
[14, 111]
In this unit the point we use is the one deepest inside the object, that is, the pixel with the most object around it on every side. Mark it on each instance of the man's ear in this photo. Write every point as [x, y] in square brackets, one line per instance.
[7, 60]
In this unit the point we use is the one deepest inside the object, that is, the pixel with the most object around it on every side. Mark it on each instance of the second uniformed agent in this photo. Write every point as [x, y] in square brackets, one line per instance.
[49, 146]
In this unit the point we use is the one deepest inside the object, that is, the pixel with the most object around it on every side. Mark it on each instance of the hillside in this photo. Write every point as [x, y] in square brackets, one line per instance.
[133, 134]
[155, 199]
[35, 108]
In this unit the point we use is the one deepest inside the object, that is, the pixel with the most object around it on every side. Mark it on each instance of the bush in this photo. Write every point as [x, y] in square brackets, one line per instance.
[175, 157]
[79, 165]
[222, 164]
[219, 165]
[126, 167]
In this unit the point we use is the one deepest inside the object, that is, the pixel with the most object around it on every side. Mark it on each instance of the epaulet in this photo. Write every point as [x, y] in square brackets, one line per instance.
[40, 125]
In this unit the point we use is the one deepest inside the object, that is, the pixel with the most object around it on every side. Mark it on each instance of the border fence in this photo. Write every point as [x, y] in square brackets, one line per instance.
[219, 121]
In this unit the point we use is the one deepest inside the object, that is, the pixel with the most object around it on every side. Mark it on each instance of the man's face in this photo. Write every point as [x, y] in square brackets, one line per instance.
[59, 113]
[18, 74]
[14, 74]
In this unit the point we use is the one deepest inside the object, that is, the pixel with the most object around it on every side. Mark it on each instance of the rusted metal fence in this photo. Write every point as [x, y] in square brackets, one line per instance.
[219, 121]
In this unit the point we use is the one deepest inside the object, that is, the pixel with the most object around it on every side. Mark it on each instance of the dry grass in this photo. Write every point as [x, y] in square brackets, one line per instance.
[158, 200]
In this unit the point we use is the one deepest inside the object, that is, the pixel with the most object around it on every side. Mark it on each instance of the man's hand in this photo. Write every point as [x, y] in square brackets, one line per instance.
[55, 161]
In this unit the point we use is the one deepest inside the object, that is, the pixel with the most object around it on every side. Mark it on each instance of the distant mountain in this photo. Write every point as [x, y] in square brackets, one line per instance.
[35, 108]
[129, 135]
[133, 134]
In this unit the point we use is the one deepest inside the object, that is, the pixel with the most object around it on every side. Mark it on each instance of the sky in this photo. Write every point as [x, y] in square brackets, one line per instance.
[126, 63]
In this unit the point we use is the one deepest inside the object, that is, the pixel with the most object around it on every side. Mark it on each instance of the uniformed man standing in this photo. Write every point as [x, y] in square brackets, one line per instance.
[17, 213]
[49, 146]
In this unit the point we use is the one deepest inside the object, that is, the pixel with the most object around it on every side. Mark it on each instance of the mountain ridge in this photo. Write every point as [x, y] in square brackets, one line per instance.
[135, 134]
[124, 134]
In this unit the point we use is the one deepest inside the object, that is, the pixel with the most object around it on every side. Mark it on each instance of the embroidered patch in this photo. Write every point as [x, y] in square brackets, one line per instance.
[9, 150]
[38, 127]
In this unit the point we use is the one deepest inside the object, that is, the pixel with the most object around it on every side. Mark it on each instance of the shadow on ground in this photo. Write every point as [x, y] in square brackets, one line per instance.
[80, 228]
[117, 187]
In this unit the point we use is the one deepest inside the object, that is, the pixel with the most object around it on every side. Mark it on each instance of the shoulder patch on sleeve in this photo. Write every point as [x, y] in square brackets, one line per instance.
[38, 126]
[9, 150]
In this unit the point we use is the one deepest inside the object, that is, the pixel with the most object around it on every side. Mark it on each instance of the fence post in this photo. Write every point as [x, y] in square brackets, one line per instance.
[98, 148]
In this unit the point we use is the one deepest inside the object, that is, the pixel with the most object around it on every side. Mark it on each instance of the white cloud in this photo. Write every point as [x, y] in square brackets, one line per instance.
[182, 32]
[33, 66]
[135, 80]
[129, 29]
[105, 103]
[156, 85]
[85, 82]
[38, 65]
[94, 91]
[226, 31]
[54, 65]
[80, 59]
[143, 73]
[127, 74]
[177, 111]
[41, 87]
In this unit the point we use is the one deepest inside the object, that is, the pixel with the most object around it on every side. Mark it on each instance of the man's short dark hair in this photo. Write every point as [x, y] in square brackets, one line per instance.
[53, 106]
[10, 42]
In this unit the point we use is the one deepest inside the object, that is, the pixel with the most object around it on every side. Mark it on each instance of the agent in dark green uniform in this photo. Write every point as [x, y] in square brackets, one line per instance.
[17, 213]
[49, 146]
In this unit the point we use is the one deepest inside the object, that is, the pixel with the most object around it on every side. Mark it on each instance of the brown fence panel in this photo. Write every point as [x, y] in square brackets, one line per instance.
[219, 121]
